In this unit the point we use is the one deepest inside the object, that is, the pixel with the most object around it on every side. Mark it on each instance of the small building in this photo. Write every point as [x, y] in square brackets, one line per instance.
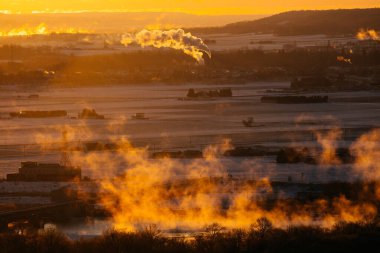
[209, 93]
[34, 96]
[34, 171]
[139, 116]
[89, 114]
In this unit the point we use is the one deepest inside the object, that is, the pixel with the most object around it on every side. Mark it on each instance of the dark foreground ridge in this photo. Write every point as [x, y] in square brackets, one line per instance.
[261, 237]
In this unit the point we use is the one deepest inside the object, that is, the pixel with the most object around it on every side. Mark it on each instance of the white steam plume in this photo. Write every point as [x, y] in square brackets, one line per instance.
[176, 38]
[370, 34]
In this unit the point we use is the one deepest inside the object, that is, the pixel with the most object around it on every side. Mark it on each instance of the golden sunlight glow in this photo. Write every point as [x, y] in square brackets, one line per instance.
[210, 7]
[41, 29]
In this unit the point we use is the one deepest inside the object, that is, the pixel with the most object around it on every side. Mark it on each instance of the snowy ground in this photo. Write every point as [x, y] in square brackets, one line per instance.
[94, 44]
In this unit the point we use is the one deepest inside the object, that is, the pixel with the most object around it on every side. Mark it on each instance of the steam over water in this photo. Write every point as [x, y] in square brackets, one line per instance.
[188, 194]
[175, 124]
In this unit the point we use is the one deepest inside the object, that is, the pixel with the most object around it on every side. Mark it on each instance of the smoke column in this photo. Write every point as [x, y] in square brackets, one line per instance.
[176, 38]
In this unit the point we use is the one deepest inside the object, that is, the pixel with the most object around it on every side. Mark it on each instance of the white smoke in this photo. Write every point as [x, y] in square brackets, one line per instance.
[175, 38]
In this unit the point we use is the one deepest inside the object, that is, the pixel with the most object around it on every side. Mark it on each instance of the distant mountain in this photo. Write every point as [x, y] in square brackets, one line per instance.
[330, 22]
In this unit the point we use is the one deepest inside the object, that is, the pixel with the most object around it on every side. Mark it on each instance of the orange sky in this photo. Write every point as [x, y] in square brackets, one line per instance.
[190, 6]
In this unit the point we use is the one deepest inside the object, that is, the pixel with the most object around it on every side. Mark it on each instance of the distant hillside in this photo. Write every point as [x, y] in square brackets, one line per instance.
[331, 22]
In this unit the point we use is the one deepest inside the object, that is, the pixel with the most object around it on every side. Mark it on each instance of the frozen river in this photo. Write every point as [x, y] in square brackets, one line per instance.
[178, 124]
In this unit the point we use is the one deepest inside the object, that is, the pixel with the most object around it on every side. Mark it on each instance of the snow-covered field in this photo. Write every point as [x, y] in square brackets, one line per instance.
[94, 44]
[270, 41]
